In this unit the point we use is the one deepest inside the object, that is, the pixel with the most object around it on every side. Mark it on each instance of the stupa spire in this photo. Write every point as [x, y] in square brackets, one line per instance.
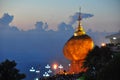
[79, 30]
[79, 17]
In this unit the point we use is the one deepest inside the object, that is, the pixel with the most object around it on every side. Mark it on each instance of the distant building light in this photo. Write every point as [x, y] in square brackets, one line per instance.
[48, 66]
[60, 66]
[43, 75]
[114, 38]
[69, 64]
[37, 71]
[49, 71]
[36, 78]
[46, 74]
[32, 69]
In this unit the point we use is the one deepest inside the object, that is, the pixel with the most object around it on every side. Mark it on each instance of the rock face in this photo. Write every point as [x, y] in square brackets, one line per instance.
[77, 47]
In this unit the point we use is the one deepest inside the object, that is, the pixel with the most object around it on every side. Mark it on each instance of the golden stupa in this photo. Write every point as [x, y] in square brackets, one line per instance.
[77, 48]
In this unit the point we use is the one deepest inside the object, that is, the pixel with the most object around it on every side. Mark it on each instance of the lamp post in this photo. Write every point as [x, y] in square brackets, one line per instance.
[55, 66]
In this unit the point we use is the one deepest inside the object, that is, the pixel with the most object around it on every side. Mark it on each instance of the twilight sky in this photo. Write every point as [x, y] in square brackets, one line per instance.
[35, 31]
[27, 12]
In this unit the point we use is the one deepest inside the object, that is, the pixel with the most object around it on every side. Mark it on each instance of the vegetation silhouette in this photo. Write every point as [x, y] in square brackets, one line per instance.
[9, 72]
[102, 64]
[112, 70]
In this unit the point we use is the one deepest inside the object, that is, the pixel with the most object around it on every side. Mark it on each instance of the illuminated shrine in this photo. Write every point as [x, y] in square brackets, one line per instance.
[77, 48]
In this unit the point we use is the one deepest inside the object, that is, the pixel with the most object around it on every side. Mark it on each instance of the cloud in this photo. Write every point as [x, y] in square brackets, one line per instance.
[74, 18]
[65, 27]
[39, 26]
[37, 42]
[5, 21]
[62, 26]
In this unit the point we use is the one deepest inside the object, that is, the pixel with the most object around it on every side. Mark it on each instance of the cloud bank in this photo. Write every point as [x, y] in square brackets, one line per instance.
[5, 21]
[39, 44]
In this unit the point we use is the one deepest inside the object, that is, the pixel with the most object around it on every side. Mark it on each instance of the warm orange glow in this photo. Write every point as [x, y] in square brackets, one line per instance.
[103, 44]
[55, 66]
[76, 67]
[76, 49]
[79, 31]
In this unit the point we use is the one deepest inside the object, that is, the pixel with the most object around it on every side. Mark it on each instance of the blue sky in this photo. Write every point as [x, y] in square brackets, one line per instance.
[27, 12]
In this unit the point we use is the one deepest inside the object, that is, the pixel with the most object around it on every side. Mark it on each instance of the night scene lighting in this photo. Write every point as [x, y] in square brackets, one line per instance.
[59, 39]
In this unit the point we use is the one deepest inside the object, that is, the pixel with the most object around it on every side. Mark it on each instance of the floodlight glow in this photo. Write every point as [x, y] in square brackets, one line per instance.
[114, 38]
[103, 44]
[55, 66]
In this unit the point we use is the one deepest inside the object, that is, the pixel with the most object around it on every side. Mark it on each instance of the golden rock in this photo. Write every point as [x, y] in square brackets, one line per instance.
[77, 48]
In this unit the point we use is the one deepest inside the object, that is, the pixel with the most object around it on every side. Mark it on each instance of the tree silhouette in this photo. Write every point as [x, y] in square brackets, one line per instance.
[9, 72]
[112, 70]
[96, 60]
